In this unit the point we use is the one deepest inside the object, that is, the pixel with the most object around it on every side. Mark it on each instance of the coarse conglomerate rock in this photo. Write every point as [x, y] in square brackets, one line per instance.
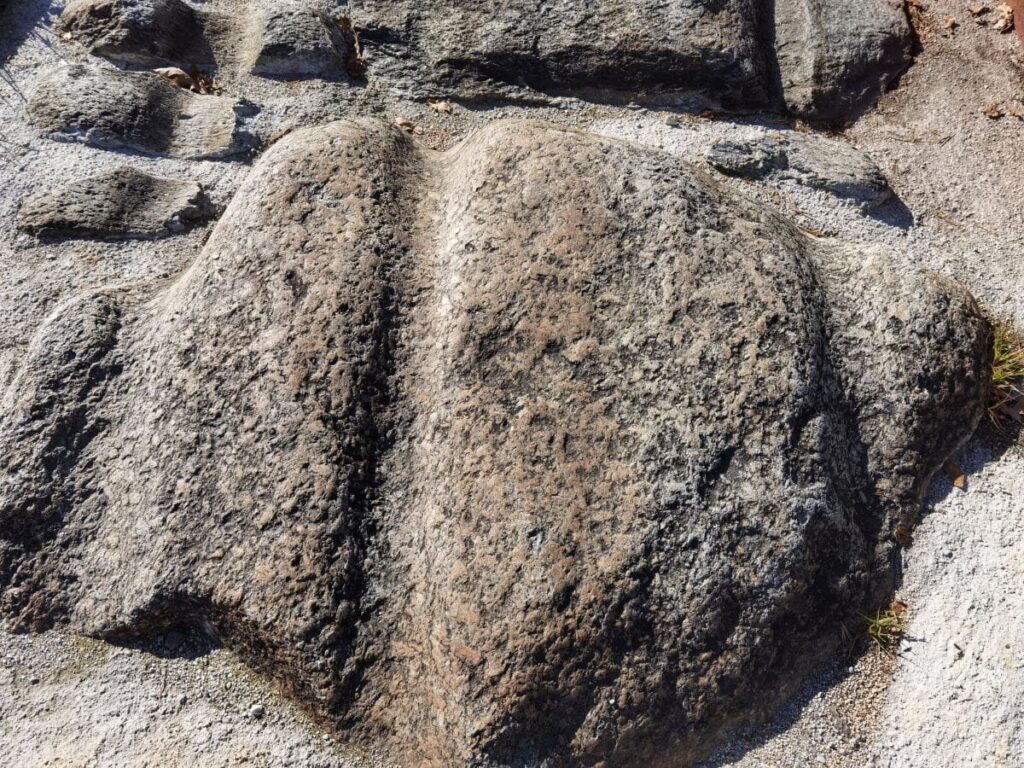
[547, 449]
[141, 111]
[123, 202]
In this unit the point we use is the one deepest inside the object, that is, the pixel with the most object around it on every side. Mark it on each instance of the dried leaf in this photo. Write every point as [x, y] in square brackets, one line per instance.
[898, 608]
[408, 125]
[992, 111]
[441, 106]
[1005, 21]
[178, 77]
[1015, 110]
[956, 474]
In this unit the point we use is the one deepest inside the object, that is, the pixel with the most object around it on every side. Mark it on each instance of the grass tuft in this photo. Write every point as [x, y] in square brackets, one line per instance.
[1006, 403]
[886, 628]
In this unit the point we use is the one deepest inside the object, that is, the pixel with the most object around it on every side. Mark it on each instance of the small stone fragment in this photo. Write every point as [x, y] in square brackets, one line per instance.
[122, 203]
[832, 166]
[256, 711]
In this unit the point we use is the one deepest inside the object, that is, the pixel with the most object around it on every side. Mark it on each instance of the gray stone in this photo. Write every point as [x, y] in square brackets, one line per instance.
[544, 450]
[837, 58]
[301, 41]
[120, 203]
[824, 60]
[137, 110]
[146, 33]
[833, 166]
[707, 46]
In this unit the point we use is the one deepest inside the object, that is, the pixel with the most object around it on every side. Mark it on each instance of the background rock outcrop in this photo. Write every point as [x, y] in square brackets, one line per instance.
[544, 448]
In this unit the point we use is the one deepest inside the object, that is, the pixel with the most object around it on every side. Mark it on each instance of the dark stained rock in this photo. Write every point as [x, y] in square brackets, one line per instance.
[301, 41]
[137, 110]
[826, 164]
[837, 58]
[147, 33]
[544, 450]
[121, 203]
[707, 46]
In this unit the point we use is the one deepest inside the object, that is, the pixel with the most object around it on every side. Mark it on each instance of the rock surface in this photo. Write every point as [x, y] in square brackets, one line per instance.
[300, 41]
[112, 109]
[547, 447]
[836, 59]
[821, 60]
[146, 33]
[832, 166]
[121, 203]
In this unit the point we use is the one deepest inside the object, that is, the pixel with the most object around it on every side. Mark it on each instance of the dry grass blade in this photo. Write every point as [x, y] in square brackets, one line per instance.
[1006, 403]
[886, 628]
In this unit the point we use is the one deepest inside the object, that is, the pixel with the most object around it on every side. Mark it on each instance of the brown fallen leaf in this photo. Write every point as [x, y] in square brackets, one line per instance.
[441, 106]
[898, 608]
[408, 125]
[1005, 21]
[178, 77]
[203, 83]
[956, 474]
[992, 111]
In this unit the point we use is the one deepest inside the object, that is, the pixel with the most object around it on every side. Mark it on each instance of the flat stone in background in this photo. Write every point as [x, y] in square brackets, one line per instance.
[142, 111]
[820, 163]
[121, 203]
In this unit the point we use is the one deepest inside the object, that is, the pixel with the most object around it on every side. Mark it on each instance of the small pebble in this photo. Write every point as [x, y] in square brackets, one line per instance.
[256, 711]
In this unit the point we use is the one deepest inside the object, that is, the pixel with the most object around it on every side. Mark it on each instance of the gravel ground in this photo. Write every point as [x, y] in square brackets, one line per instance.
[953, 695]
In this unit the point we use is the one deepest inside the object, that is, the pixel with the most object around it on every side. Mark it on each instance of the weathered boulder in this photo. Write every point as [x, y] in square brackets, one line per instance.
[836, 59]
[708, 46]
[544, 450]
[822, 60]
[120, 203]
[833, 166]
[146, 33]
[137, 110]
[301, 41]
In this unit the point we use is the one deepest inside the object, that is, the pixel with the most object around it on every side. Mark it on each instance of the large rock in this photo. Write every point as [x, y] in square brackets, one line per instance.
[823, 60]
[137, 110]
[836, 58]
[147, 33]
[545, 450]
[708, 46]
[295, 40]
[120, 203]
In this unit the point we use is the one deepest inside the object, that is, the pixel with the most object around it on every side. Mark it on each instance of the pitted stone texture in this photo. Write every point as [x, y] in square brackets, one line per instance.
[837, 58]
[826, 164]
[112, 109]
[146, 33]
[301, 41]
[544, 450]
[709, 46]
[121, 203]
